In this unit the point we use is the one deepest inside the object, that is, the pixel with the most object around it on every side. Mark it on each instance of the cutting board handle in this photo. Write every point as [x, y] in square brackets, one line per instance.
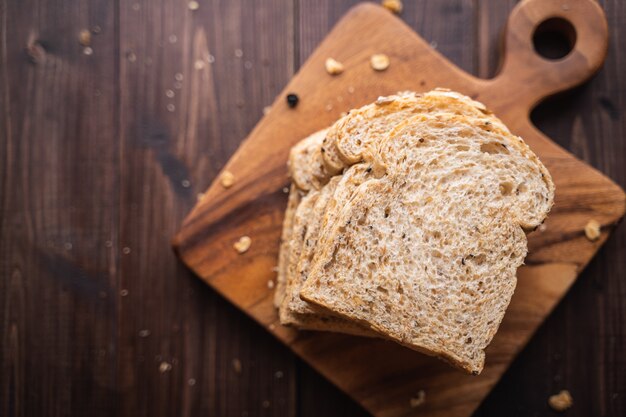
[526, 76]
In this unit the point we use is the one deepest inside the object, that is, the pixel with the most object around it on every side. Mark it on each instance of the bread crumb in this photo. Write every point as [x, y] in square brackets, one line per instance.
[237, 366]
[418, 400]
[193, 5]
[124, 292]
[592, 230]
[191, 382]
[272, 327]
[243, 244]
[200, 196]
[165, 367]
[227, 179]
[270, 284]
[266, 109]
[394, 6]
[87, 51]
[84, 37]
[278, 374]
[561, 401]
[333, 67]
[126, 250]
[144, 333]
[381, 101]
[379, 62]
[328, 107]
[199, 64]
[286, 190]
[238, 53]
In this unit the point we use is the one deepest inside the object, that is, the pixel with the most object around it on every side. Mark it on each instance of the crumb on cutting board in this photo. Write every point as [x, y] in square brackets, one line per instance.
[243, 244]
[592, 230]
[379, 62]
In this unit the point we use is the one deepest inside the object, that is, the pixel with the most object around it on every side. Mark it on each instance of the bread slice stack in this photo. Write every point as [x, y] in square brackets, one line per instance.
[407, 220]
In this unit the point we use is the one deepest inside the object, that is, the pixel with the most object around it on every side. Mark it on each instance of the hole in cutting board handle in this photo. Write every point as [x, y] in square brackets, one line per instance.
[554, 38]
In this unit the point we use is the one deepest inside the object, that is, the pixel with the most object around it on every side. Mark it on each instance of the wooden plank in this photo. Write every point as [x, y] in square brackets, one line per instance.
[253, 205]
[59, 208]
[580, 342]
[192, 84]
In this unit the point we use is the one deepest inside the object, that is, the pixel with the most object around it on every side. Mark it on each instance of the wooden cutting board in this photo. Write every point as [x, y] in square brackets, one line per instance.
[380, 375]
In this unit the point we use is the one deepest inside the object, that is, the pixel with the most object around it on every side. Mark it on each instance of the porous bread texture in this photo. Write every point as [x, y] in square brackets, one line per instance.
[305, 164]
[295, 195]
[352, 136]
[299, 228]
[427, 253]
[292, 310]
[308, 242]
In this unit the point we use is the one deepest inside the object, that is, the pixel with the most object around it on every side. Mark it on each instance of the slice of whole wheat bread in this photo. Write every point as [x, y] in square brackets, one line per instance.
[354, 134]
[306, 166]
[304, 171]
[295, 195]
[311, 320]
[425, 252]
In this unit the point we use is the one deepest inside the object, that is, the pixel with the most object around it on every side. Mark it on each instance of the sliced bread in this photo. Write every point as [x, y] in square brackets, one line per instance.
[354, 134]
[425, 252]
[295, 195]
[294, 311]
[306, 165]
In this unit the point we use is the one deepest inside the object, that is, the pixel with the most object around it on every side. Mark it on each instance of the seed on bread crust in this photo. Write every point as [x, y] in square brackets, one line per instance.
[243, 244]
[333, 67]
[227, 180]
[592, 230]
[379, 62]
[382, 100]
[561, 401]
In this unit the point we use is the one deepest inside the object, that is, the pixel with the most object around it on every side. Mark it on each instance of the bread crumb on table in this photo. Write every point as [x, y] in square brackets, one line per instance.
[227, 179]
[84, 37]
[592, 230]
[418, 400]
[193, 5]
[165, 367]
[379, 62]
[561, 401]
[394, 6]
[243, 244]
[333, 67]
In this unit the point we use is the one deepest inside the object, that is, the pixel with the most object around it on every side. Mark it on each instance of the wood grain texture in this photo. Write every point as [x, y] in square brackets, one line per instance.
[186, 101]
[70, 342]
[57, 270]
[253, 205]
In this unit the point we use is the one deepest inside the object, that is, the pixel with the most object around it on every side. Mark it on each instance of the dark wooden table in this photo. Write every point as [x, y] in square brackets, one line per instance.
[104, 148]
